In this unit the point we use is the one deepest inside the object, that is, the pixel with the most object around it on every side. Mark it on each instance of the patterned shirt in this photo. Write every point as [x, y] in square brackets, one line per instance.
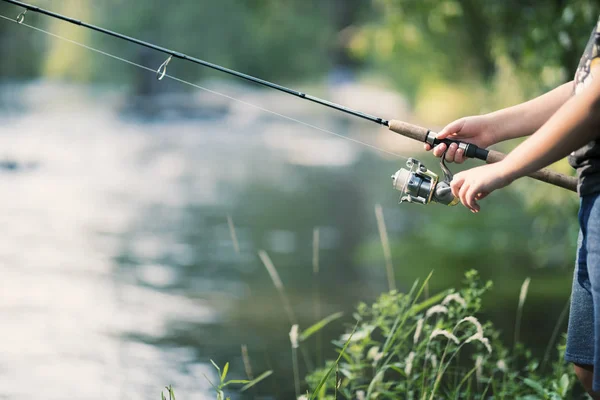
[587, 159]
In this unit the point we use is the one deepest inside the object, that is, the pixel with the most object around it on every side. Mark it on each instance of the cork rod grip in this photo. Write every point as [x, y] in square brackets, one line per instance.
[544, 175]
[409, 130]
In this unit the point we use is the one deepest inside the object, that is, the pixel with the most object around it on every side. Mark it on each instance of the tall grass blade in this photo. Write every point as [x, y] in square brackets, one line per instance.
[236, 245]
[258, 379]
[216, 367]
[317, 291]
[170, 391]
[385, 243]
[378, 377]
[266, 260]
[295, 344]
[522, 297]
[247, 364]
[559, 322]
[308, 332]
[393, 335]
[315, 258]
[324, 379]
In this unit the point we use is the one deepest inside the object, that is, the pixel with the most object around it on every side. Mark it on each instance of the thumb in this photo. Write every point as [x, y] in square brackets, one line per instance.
[451, 128]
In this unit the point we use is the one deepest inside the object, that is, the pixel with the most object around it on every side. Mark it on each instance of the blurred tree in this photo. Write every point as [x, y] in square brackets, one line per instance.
[64, 60]
[466, 39]
[277, 40]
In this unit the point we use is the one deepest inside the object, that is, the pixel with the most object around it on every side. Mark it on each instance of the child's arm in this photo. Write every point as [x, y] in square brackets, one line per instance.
[576, 123]
[509, 123]
[526, 118]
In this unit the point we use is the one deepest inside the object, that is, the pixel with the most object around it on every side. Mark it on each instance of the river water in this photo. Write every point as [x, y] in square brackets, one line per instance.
[99, 256]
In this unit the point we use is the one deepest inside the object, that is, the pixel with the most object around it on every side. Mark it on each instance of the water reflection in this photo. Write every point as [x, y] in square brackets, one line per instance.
[118, 271]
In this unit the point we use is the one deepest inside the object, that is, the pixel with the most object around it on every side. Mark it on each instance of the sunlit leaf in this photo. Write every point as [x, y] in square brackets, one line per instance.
[224, 374]
[256, 380]
[308, 332]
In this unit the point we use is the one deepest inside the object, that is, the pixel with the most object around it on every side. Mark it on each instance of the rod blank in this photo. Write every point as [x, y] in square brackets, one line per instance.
[207, 64]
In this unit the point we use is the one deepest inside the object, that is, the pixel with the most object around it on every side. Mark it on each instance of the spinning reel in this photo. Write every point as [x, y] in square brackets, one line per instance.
[417, 184]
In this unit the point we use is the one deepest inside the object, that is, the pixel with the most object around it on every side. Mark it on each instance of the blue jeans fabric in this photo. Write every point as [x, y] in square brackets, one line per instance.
[583, 338]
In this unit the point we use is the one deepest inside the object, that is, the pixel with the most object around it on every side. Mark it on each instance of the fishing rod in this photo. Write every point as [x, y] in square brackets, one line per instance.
[416, 184]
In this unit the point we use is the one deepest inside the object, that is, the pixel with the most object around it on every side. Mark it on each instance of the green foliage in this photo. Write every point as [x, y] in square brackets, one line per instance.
[170, 392]
[403, 348]
[270, 39]
[467, 40]
[219, 388]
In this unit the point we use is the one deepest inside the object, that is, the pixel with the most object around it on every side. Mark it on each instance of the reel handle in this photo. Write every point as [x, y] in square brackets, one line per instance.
[472, 151]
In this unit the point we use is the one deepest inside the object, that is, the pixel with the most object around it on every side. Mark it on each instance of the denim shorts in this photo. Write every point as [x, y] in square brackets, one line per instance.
[583, 338]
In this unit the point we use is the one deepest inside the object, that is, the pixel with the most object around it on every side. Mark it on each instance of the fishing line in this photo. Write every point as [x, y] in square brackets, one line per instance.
[164, 74]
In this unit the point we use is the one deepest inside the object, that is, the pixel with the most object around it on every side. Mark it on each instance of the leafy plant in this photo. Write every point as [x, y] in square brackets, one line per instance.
[434, 348]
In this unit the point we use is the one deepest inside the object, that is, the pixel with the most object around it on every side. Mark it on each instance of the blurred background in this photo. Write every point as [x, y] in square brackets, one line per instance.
[118, 270]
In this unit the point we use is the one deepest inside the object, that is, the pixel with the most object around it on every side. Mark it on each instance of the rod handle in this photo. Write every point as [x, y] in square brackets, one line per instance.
[409, 130]
[544, 175]
[489, 156]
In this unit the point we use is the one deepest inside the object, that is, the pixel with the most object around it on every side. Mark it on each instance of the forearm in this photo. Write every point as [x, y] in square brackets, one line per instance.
[526, 118]
[576, 123]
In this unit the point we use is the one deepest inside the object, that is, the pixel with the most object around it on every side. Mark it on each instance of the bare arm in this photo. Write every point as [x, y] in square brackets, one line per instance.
[572, 126]
[526, 118]
[508, 123]
[576, 123]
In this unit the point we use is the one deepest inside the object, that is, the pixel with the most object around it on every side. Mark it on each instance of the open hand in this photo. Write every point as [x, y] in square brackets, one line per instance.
[475, 184]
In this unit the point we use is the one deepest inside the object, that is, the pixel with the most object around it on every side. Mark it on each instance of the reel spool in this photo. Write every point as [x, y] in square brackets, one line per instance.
[417, 184]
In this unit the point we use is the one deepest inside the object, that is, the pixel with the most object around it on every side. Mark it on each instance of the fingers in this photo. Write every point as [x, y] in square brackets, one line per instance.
[451, 152]
[460, 158]
[470, 197]
[439, 149]
[456, 184]
[451, 128]
[467, 192]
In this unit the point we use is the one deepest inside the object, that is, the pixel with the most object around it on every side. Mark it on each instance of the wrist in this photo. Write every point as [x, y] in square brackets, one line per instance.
[508, 170]
[491, 128]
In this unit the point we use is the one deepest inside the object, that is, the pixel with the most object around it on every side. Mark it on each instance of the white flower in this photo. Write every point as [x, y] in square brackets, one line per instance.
[478, 337]
[478, 367]
[374, 354]
[439, 309]
[372, 351]
[360, 395]
[418, 330]
[501, 365]
[409, 362]
[454, 297]
[358, 335]
[474, 322]
[294, 336]
[441, 332]
[303, 397]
